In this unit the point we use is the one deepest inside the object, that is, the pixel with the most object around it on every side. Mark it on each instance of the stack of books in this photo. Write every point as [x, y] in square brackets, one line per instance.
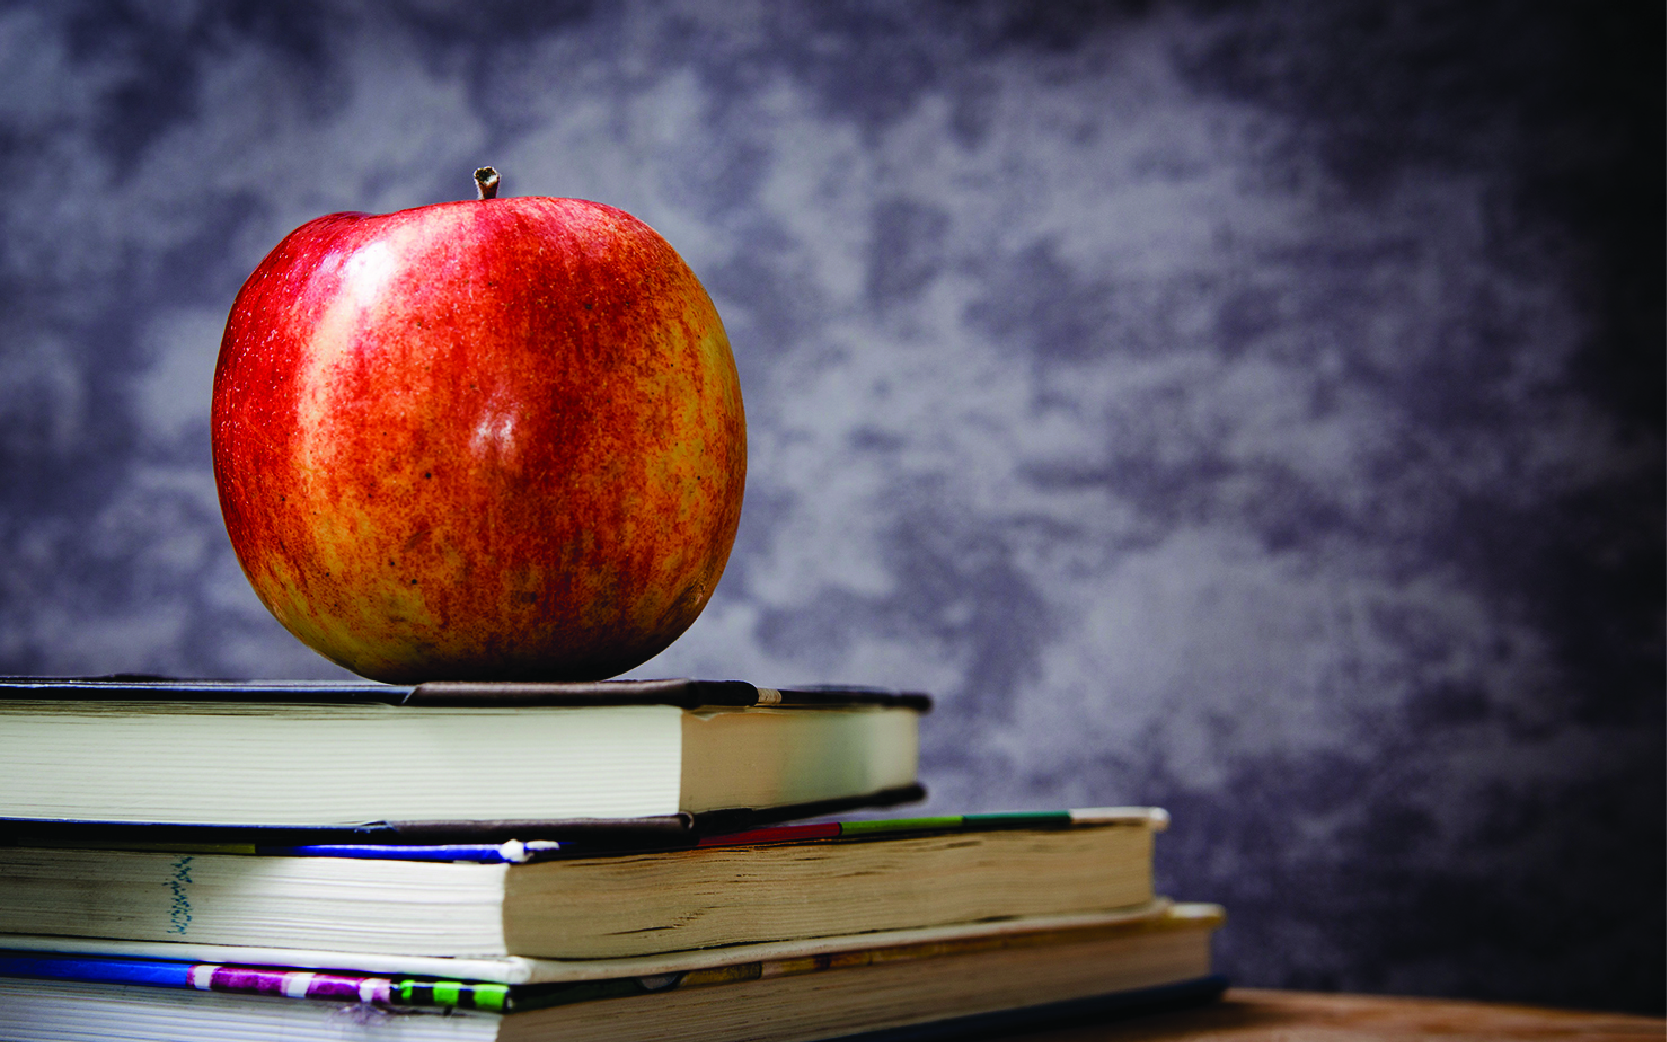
[216, 860]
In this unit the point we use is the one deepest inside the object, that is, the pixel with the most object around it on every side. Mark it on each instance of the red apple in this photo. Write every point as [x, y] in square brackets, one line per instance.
[488, 440]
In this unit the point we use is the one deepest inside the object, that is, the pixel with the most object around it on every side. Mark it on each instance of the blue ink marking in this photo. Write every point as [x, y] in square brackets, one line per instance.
[179, 913]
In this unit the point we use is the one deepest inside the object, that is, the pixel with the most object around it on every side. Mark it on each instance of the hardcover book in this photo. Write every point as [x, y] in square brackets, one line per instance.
[444, 760]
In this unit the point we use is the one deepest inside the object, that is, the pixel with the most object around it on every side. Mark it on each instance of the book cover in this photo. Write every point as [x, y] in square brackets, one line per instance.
[554, 840]
[683, 692]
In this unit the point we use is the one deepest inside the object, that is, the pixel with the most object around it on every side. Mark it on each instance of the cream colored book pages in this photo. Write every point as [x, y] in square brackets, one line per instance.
[603, 907]
[780, 757]
[804, 1007]
[379, 906]
[516, 970]
[208, 763]
[696, 899]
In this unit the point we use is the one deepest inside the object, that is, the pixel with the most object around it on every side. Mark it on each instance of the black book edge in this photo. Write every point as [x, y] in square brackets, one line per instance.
[1160, 998]
[590, 835]
[681, 692]
[1157, 998]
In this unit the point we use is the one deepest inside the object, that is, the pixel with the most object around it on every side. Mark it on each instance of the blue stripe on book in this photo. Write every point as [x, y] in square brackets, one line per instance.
[486, 853]
[97, 969]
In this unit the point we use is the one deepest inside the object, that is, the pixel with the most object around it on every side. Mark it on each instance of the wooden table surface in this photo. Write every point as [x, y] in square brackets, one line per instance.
[1250, 1015]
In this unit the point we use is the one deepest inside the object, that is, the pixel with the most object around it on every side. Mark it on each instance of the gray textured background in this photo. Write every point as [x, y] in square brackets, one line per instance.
[1252, 410]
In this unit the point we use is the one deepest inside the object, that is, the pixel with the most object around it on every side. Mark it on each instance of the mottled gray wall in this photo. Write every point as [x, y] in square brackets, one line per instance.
[1251, 410]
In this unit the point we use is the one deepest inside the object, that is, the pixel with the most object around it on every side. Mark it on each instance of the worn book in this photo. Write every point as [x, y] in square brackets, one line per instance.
[553, 899]
[899, 985]
[440, 760]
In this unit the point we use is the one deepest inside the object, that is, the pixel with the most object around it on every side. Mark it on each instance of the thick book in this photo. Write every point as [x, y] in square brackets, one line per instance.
[914, 985]
[444, 760]
[550, 899]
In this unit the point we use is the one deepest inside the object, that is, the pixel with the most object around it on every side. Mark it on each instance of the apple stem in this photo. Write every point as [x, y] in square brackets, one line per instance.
[486, 182]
